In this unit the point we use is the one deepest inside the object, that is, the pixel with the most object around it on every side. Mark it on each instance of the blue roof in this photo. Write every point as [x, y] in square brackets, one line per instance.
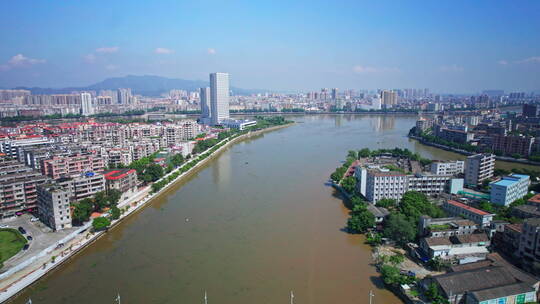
[505, 182]
[520, 176]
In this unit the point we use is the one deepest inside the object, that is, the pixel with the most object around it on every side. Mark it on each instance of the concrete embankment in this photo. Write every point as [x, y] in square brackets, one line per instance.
[33, 272]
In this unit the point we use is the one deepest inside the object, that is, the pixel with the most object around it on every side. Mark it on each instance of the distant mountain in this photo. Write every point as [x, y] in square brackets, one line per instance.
[146, 85]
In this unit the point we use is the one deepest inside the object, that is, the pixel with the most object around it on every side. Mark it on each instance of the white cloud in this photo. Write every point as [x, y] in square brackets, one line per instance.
[90, 58]
[360, 69]
[111, 67]
[163, 51]
[20, 60]
[112, 49]
[534, 59]
[211, 51]
[451, 68]
[502, 62]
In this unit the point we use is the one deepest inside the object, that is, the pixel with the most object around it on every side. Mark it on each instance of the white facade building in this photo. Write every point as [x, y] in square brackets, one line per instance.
[219, 97]
[86, 104]
[448, 168]
[509, 188]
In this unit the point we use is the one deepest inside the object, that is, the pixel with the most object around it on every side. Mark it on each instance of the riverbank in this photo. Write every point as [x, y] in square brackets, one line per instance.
[467, 153]
[23, 278]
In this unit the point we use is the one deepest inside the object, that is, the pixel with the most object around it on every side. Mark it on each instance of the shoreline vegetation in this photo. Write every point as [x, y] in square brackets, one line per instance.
[400, 226]
[165, 182]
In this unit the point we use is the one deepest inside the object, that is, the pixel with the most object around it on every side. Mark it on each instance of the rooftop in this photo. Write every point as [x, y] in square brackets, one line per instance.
[118, 173]
[467, 207]
[502, 291]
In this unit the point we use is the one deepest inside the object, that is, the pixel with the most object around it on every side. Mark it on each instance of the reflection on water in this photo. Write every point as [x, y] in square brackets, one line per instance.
[262, 223]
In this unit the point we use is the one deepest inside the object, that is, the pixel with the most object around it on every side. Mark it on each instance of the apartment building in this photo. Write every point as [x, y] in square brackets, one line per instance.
[15, 147]
[18, 186]
[509, 145]
[508, 189]
[478, 168]
[478, 216]
[83, 186]
[448, 167]
[53, 206]
[60, 166]
[529, 244]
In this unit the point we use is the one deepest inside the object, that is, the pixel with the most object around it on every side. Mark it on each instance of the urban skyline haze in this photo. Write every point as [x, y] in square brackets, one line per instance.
[449, 47]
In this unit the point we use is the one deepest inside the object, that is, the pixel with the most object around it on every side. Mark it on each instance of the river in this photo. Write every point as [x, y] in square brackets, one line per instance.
[249, 227]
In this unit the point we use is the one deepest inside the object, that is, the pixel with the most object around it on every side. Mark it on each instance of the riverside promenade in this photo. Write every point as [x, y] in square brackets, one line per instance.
[16, 279]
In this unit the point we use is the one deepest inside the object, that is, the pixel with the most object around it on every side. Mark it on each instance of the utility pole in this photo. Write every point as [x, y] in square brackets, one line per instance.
[371, 295]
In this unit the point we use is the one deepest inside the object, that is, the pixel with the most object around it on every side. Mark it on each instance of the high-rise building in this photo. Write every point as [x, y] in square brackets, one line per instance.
[389, 99]
[334, 94]
[219, 97]
[204, 97]
[124, 96]
[86, 104]
[529, 110]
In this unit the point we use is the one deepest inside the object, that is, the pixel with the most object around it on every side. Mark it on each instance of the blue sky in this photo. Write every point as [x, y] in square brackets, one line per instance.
[448, 46]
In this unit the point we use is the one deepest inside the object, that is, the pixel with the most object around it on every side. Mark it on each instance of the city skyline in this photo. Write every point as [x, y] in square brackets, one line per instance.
[444, 47]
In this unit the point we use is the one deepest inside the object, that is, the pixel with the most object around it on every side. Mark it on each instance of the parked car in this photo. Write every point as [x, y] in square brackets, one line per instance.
[25, 247]
[4, 226]
[21, 230]
[34, 219]
[29, 237]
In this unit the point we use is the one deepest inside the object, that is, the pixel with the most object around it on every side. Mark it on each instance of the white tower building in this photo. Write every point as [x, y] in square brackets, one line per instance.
[86, 104]
[219, 97]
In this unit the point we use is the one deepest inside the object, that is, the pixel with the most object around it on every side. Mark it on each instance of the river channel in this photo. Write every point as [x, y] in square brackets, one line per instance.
[251, 226]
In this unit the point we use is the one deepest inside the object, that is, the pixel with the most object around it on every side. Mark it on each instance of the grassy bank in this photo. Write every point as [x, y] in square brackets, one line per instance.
[11, 242]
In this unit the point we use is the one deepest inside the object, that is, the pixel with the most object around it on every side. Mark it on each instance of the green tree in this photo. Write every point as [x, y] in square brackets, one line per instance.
[414, 204]
[177, 159]
[386, 202]
[390, 275]
[348, 184]
[100, 200]
[364, 153]
[115, 213]
[113, 196]
[360, 221]
[82, 211]
[152, 173]
[100, 223]
[399, 229]
[352, 154]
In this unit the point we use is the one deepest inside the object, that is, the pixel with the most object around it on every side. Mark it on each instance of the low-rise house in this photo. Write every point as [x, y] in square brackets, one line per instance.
[490, 281]
[478, 216]
[379, 213]
[529, 245]
[461, 249]
[445, 227]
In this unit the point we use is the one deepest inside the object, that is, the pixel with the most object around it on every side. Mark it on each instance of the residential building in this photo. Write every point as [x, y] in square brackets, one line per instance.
[381, 184]
[389, 99]
[448, 168]
[60, 166]
[529, 245]
[124, 96]
[478, 216]
[219, 97]
[478, 168]
[508, 189]
[123, 180]
[423, 125]
[53, 206]
[83, 186]
[509, 145]
[18, 186]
